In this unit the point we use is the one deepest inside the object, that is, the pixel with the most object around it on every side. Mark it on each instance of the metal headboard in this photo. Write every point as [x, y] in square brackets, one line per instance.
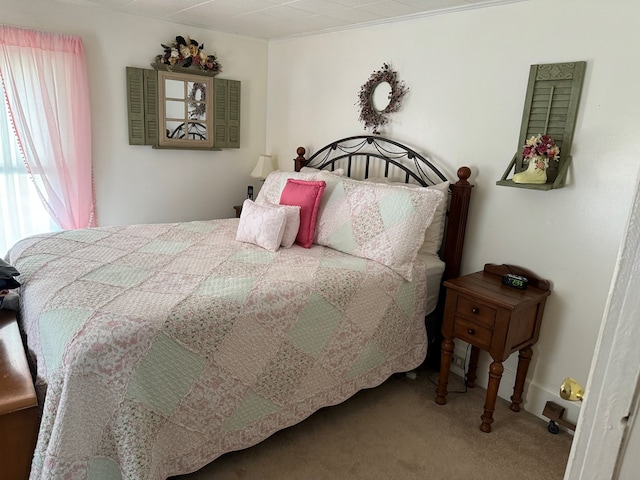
[357, 152]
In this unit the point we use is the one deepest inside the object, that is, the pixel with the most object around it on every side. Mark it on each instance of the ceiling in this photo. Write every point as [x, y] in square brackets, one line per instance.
[274, 19]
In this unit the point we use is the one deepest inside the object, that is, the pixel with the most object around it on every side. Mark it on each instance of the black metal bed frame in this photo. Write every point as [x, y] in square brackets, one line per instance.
[375, 147]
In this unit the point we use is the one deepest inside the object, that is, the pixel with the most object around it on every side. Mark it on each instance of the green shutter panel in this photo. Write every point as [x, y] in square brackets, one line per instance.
[142, 106]
[219, 113]
[551, 104]
[135, 105]
[151, 107]
[226, 113]
[233, 121]
[551, 108]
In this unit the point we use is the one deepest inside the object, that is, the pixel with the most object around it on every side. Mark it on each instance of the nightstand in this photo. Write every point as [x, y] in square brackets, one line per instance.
[496, 318]
[238, 209]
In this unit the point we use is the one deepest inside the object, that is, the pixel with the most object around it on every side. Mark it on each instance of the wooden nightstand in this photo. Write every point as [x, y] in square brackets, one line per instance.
[496, 318]
[238, 209]
[18, 405]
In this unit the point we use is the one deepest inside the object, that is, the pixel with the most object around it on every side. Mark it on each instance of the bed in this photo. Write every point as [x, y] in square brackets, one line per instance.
[158, 348]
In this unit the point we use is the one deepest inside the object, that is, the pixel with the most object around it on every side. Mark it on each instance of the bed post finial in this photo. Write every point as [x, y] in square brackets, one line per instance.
[300, 160]
[463, 174]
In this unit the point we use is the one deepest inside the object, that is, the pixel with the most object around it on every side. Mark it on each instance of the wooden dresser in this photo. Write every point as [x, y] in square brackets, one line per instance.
[18, 404]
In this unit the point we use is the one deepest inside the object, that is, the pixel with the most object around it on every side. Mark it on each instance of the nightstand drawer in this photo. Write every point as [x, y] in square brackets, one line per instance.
[472, 332]
[480, 313]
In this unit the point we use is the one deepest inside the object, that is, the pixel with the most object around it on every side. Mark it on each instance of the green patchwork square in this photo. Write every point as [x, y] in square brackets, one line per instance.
[165, 247]
[370, 358]
[165, 375]
[232, 288]
[345, 263]
[253, 256]
[405, 298]
[315, 326]
[57, 328]
[29, 264]
[343, 239]
[103, 468]
[84, 235]
[199, 227]
[252, 408]
[395, 208]
[118, 275]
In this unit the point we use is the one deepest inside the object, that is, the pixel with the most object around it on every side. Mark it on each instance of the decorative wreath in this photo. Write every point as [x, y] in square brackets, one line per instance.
[198, 108]
[371, 117]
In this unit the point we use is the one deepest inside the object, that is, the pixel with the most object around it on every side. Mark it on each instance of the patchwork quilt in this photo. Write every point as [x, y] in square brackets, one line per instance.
[161, 347]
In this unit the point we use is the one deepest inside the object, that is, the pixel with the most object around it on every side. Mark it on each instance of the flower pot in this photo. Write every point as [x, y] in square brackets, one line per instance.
[536, 172]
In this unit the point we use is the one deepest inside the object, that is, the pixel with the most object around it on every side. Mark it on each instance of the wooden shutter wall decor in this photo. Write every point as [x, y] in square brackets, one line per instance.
[143, 117]
[551, 107]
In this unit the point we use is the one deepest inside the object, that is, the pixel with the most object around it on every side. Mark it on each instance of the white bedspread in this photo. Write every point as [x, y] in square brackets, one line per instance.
[161, 347]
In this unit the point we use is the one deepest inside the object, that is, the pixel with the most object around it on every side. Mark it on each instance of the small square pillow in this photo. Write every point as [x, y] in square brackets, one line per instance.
[307, 195]
[261, 225]
[292, 224]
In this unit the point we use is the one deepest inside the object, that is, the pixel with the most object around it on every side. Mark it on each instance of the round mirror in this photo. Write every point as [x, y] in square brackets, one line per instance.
[381, 96]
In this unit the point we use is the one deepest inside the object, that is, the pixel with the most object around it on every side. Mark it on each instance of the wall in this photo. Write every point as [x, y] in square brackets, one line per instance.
[136, 184]
[467, 74]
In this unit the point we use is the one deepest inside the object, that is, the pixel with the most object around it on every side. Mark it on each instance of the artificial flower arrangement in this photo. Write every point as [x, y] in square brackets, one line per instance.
[540, 149]
[186, 52]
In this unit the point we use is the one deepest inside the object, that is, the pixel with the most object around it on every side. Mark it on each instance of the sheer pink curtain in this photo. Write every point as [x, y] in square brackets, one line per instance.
[44, 77]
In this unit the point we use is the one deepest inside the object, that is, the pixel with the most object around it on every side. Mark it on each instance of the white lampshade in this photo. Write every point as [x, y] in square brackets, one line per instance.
[263, 167]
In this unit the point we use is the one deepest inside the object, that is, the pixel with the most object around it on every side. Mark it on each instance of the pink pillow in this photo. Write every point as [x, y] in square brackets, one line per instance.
[305, 194]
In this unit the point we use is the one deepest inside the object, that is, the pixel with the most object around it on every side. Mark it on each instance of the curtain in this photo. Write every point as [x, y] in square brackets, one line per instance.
[21, 210]
[46, 89]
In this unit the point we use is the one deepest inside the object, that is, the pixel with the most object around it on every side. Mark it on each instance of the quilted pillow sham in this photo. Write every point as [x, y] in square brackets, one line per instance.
[305, 194]
[261, 225]
[434, 233]
[276, 181]
[379, 222]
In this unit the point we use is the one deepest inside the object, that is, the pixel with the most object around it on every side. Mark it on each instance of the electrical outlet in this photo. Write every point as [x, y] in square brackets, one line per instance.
[458, 361]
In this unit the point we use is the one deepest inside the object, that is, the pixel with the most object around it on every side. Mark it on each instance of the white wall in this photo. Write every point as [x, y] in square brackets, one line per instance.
[136, 184]
[467, 74]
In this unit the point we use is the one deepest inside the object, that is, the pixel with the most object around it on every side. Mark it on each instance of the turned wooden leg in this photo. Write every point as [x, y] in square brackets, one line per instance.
[524, 358]
[495, 374]
[445, 365]
[473, 367]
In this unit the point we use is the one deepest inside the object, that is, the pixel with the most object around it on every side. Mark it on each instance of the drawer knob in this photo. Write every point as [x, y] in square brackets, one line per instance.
[471, 331]
[475, 310]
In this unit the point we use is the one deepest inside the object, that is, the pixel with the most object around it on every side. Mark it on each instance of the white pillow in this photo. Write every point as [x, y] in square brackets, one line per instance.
[274, 183]
[337, 171]
[261, 225]
[292, 223]
[434, 233]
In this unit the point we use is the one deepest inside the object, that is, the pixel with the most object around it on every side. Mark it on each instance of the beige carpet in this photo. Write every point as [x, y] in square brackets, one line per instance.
[396, 431]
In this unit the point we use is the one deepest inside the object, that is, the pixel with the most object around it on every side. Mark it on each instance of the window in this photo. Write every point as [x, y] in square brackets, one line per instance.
[21, 211]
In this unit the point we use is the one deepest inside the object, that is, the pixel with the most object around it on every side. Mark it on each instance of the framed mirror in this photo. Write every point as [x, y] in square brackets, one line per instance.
[185, 110]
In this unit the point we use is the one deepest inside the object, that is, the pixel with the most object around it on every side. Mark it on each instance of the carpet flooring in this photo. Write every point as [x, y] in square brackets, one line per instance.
[397, 431]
